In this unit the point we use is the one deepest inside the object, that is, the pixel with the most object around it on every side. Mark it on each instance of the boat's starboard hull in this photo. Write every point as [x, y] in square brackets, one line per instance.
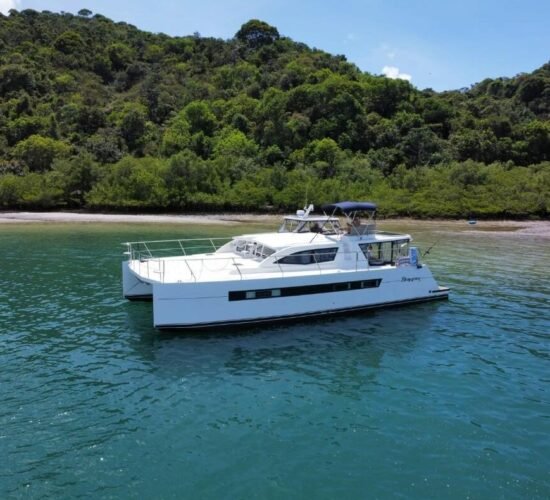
[300, 317]
[206, 305]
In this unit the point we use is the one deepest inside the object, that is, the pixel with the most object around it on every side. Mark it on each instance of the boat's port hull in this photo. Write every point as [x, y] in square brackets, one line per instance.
[204, 305]
[132, 287]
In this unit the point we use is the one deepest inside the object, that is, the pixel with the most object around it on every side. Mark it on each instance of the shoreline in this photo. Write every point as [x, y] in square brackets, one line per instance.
[72, 217]
[536, 228]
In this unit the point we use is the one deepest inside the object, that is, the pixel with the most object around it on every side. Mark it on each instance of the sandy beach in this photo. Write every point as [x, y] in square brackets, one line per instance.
[60, 217]
[535, 228]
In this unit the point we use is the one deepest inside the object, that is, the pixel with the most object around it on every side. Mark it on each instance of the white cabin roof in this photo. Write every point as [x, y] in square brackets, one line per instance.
[278, 241]
[312, 218]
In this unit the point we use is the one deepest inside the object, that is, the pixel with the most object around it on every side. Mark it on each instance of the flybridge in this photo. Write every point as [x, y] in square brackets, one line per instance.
[314, 265]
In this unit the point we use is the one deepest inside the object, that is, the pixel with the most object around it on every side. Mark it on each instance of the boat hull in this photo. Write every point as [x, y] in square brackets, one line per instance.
[248, 301]
[134, 288]
[298, 317]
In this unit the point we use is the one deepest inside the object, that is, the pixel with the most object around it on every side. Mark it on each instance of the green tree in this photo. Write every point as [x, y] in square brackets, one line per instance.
[74, 177]
[69, 42]
[200, 117]
[536, 135]
[15, 77]
[132, 182]
[120, 55]
[39, 152]
[25, 126]
[421, 146]
[177, 135]
[10, 190]
[186, 177]
[325, 155]
[255, 33]
[233, 143]
[133, 126]
[106, 145]
[478, 145]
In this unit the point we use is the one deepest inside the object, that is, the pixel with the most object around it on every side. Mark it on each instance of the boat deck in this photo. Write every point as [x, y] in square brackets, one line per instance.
[228, 268]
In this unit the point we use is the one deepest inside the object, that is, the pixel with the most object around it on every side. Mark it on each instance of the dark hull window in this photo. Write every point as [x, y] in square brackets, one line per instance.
[293, 291]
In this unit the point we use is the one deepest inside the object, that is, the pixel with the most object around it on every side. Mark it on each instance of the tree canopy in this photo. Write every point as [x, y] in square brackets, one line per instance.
[254, 122]
[256, 33]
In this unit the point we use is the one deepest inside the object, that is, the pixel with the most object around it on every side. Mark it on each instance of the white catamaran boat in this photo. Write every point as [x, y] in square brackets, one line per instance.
[312, 266]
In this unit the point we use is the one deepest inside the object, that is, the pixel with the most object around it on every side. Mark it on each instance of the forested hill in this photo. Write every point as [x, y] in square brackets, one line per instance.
[101, 115]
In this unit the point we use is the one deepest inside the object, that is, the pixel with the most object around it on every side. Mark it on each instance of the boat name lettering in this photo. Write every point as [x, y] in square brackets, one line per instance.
[410, 280]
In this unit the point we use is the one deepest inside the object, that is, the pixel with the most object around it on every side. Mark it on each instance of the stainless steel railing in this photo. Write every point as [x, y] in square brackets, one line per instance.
[194, 269]
[143, 250]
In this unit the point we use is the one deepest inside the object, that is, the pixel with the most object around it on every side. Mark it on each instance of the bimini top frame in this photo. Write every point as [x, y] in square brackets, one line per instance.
[353, 211]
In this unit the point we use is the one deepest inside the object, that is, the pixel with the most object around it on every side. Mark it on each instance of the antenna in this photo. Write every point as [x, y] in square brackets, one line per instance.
[427, 252]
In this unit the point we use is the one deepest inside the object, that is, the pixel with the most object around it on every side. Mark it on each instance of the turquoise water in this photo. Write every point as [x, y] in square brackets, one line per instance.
[438, 400]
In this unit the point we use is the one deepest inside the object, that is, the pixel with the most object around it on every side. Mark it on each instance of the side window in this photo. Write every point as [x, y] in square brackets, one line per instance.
[297, 258]
[401, 248]
[374, 253]
[385, 253]
[325, 254]
[370, 250]
[310, 256]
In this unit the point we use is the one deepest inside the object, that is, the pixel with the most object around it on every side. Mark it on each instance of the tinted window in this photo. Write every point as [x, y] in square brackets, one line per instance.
[310, 256]
[293, 291]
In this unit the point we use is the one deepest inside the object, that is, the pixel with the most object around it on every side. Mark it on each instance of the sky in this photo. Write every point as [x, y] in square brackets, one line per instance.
[438, 44]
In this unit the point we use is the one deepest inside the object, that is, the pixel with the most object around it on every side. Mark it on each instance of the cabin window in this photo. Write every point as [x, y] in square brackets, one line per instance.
[305, 257]
[400, 249]
[253, 249]
[263, 251]
[239, 246]
[289, 226]
[385, 253]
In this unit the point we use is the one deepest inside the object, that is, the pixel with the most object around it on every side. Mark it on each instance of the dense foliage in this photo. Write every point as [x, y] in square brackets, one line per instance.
[100, 115]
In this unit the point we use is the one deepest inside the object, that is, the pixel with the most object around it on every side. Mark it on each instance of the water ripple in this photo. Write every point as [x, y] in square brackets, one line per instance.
[434, 400]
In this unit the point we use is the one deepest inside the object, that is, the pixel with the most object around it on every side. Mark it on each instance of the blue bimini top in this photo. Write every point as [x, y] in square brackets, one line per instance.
[351, 206]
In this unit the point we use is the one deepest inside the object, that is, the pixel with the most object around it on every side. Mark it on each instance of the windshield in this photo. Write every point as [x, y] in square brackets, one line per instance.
[316, 225]
[251, 249]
